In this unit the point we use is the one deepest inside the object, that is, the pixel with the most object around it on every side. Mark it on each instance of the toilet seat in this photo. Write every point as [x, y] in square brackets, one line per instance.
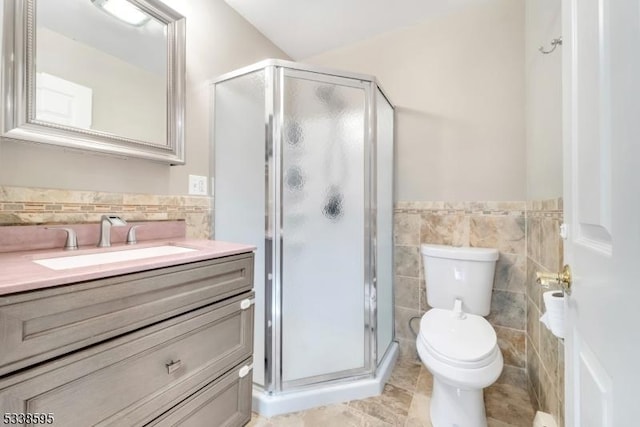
[468, 342]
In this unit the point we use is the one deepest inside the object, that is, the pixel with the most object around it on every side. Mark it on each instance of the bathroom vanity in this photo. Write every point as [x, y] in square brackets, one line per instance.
[165, 340]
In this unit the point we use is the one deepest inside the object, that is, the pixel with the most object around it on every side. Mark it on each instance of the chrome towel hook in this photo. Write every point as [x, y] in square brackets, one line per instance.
[554, 44]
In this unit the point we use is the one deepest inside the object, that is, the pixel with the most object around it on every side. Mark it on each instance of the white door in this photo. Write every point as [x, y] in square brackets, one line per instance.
[601, 83]
[63, 102]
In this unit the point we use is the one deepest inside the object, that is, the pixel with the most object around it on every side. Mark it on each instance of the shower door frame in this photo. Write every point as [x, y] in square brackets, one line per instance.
[275, 76]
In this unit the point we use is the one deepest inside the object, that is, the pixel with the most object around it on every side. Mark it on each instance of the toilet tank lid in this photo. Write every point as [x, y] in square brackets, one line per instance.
[462, 253]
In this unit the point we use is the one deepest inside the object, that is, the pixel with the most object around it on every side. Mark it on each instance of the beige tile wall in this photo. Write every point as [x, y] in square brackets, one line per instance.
[532, 354]
[545, 352]
[498, 225]
[23, 206]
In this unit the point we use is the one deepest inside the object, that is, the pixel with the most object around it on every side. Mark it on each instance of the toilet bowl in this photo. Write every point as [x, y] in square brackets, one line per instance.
[463, 356]
[455, 343]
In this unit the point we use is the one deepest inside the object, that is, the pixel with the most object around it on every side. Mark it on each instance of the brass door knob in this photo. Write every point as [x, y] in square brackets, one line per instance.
[563, 279]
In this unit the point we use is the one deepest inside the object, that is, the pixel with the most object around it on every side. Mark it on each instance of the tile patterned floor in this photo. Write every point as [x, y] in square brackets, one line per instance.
[405, 402]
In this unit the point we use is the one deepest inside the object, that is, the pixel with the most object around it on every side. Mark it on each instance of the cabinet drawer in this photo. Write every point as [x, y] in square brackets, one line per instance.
[39, 325]
[225, 402]
[133, 379]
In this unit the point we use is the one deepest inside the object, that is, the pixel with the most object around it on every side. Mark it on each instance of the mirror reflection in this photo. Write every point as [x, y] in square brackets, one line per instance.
[101, 65]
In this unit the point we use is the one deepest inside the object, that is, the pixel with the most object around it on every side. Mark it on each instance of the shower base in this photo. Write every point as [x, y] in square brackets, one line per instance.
[335, 392]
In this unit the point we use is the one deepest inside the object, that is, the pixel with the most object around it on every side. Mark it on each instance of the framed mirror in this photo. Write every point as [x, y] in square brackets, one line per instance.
[101, 75]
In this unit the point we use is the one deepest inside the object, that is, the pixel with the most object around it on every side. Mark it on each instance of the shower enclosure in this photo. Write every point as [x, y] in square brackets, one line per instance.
[303, 170]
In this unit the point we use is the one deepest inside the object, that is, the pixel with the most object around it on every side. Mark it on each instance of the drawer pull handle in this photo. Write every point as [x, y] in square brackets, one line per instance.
[245, 370]
[173, 366]
[246, 303]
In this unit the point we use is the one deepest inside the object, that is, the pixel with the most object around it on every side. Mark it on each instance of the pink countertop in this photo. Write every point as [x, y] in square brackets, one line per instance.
[18, 272]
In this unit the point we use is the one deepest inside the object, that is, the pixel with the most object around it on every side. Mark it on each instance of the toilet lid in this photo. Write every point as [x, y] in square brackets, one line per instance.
[468, 340]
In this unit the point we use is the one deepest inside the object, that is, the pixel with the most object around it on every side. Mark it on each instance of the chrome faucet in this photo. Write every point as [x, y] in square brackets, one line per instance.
[71, 243]
[106, 222]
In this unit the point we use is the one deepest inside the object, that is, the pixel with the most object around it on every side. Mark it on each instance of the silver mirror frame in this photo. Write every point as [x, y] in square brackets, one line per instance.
[18, 90]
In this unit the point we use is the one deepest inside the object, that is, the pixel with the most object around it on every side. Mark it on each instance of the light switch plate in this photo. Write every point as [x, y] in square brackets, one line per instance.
[197, 185]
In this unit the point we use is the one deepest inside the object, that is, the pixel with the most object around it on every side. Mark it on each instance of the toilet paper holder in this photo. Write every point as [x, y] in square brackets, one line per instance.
[563, 279]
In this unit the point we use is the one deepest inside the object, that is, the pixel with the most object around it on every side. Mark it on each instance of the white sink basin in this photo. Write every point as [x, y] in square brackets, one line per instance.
[76, 261]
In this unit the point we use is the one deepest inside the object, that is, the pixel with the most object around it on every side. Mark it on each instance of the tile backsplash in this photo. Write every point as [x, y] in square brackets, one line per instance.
[28, 206]
[499, 225]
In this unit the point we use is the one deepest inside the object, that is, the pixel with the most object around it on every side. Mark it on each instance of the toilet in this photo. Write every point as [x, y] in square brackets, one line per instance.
[455, 342]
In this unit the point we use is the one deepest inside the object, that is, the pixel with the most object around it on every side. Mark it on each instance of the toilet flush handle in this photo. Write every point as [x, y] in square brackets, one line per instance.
[457, 309]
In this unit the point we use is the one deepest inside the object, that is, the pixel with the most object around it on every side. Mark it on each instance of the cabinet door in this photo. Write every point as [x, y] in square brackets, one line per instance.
[133, 379]
[225, 402]
[39, 325]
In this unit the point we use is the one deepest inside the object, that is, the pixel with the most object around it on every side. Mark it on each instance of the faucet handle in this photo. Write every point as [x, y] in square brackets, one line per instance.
[131, 235]
[72, 237]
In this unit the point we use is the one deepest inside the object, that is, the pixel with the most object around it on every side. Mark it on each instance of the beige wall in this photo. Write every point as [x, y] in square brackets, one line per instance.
[545, 352]
[218, 40]
[543, 100]
[458, 86]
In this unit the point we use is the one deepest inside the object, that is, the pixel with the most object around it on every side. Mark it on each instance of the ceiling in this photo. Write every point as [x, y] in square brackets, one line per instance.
[304, 28]
[145, 47]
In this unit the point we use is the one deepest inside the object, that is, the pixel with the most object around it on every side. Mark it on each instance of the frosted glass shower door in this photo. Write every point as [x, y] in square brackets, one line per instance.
[240, 150]
[384, 217]
[323, 228]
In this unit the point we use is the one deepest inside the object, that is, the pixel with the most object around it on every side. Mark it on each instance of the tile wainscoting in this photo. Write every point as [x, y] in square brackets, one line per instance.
[525, 233]
[545, 352]
[527, 236]
[30, 206]
[499, 225]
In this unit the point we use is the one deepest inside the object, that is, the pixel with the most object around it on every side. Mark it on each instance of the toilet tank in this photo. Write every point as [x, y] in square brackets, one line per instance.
[459, 273]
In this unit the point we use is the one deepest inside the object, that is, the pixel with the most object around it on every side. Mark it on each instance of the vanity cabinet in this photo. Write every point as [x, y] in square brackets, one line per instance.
[171, 346]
